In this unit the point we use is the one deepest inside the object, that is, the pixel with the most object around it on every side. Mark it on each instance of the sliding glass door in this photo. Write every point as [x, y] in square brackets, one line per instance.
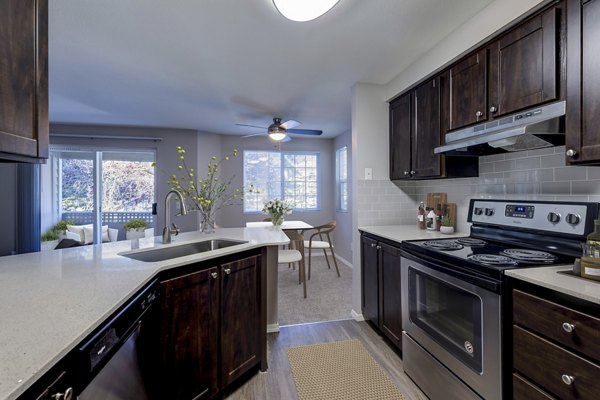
[104, 188]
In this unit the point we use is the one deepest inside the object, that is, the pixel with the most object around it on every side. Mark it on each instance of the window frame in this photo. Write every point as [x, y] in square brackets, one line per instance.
[281, 155]
[339, 181]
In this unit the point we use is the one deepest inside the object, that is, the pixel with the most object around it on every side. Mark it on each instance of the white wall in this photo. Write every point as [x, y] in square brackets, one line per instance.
[342, 236]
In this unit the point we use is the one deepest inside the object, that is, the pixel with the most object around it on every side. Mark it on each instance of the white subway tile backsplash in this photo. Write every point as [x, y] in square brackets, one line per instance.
[486, 167]
[527, 163]
[570, 173]
[539, 152]
[556, 188]
[554, 160]
[502, 166]
[585, 187]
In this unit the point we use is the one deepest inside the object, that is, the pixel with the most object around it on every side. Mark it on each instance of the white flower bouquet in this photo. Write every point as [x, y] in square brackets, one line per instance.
[277, 209]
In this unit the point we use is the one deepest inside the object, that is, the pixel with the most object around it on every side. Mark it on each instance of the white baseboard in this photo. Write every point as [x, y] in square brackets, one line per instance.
[357, 317]
[272, 328]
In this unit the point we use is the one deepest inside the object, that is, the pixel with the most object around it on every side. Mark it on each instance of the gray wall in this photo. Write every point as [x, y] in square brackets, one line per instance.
[166, 155]
[8, 208]
[234, 215]
[342, 236]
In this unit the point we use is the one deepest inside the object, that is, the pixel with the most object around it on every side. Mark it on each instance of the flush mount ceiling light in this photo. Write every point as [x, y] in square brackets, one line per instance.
[303, 10]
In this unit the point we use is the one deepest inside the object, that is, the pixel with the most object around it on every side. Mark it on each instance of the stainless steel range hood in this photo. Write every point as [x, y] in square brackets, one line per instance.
[532, 129]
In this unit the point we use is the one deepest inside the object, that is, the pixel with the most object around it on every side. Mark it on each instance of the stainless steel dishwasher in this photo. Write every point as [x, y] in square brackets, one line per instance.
[115, 356]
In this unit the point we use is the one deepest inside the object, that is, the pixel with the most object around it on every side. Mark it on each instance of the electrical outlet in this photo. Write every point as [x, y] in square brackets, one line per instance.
[368, 174]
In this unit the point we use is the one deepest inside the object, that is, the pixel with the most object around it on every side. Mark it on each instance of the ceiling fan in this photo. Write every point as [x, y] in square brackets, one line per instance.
[278, 130]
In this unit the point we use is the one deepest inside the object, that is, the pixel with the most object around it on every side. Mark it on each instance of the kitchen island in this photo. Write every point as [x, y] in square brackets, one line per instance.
[50, 301]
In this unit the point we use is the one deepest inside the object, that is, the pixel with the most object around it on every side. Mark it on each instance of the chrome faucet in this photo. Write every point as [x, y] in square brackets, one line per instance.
[168, 231]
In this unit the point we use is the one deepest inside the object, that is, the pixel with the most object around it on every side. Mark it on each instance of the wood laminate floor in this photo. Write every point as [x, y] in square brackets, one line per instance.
[278, 383]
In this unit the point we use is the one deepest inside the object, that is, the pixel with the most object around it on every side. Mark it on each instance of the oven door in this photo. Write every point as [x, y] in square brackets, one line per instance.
[457, 322]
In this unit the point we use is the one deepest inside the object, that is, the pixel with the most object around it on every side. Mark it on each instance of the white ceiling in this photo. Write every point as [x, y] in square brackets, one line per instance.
[209, 64]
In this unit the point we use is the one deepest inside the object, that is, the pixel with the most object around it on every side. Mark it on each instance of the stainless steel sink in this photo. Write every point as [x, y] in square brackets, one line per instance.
[174, 251]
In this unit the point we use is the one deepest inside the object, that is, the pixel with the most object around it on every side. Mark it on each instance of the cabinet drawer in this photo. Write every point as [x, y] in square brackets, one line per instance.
[547, 318]
[523, 390]
[545, 364]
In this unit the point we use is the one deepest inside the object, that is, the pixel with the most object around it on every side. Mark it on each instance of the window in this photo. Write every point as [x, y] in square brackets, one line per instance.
[284, 175]
[341, 178]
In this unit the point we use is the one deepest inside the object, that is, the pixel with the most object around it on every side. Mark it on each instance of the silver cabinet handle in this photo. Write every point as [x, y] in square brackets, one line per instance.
[214, 275]
[378, 247]
[405, 173]
[571, 153]
[373, 245]
[413, 172]
[227, 271]
[568, 327]
[568, 379]
[478, 114]
[493, 109]
[67, 395]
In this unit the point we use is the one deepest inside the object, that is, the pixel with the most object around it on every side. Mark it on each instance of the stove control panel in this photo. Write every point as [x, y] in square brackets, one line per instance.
[547, 216]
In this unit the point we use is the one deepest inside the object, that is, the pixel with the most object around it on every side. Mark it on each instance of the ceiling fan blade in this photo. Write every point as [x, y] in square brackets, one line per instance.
[254, 134]
[305, 132]
[252, 126]
[290, 124]
[286, 139]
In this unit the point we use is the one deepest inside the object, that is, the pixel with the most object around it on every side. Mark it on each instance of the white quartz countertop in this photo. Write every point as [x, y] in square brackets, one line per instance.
[50, 301]
[399, 233]
[549, 277]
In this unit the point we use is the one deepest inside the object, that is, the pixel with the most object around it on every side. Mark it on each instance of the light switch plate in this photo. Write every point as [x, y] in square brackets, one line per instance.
[368, 174]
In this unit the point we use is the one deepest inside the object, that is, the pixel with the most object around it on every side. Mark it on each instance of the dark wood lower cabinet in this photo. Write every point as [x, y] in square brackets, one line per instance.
[380, 267]
[210, 329]
[189, 332]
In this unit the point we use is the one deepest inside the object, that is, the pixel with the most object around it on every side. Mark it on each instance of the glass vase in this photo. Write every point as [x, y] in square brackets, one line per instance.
[277, 220]
[207, 221]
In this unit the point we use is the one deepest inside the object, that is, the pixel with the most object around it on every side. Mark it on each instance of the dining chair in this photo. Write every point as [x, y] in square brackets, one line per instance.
[295, 254]
[323, 242]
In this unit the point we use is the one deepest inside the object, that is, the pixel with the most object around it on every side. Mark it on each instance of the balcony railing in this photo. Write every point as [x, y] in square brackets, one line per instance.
[114, 219]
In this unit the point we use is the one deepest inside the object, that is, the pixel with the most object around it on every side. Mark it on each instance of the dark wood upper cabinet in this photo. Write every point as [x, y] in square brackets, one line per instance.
[583, 82]
[400, 137]
[526, 64]
[189, 332]
[426, 131]
[24, 80]
[240, 308]
[467, 91]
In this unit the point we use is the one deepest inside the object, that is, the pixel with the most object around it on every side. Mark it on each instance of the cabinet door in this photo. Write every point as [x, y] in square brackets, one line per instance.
[468, 91]
[583, 102]
[427, 130]
[240, 317]
[369, 279]
[524, 65]
[189, 336]
[23, 79]
[400, 137]
[390, 314]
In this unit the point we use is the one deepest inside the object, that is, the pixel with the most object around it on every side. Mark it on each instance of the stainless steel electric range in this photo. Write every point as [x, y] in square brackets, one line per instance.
[455, 296]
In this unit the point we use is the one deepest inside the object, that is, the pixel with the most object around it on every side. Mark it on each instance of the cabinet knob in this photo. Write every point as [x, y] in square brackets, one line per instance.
[571, 153]
[67, 395]
[405, 173]
[214, 275]
[478, 114]
[227, 271]
[568, 379]
[378, 247]
[413, 172]
[373, 245]
[493, 109]
[568, 327]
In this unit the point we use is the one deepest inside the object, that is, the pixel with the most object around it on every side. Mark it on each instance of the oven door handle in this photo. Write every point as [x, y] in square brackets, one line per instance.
[475, 279]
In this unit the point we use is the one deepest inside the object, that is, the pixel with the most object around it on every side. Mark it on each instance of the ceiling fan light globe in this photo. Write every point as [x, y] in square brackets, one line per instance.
[277, 136]
[303, 10]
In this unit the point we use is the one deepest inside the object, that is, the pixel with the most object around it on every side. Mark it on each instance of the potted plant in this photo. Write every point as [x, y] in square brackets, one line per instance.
[276, 210]
[60, 229]
[447, 224]
[134, 228]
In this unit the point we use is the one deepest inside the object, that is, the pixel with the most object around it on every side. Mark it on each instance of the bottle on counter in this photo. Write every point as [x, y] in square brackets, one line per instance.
[421, 215]
[438, 217]
[430, 219]
[590, 260]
